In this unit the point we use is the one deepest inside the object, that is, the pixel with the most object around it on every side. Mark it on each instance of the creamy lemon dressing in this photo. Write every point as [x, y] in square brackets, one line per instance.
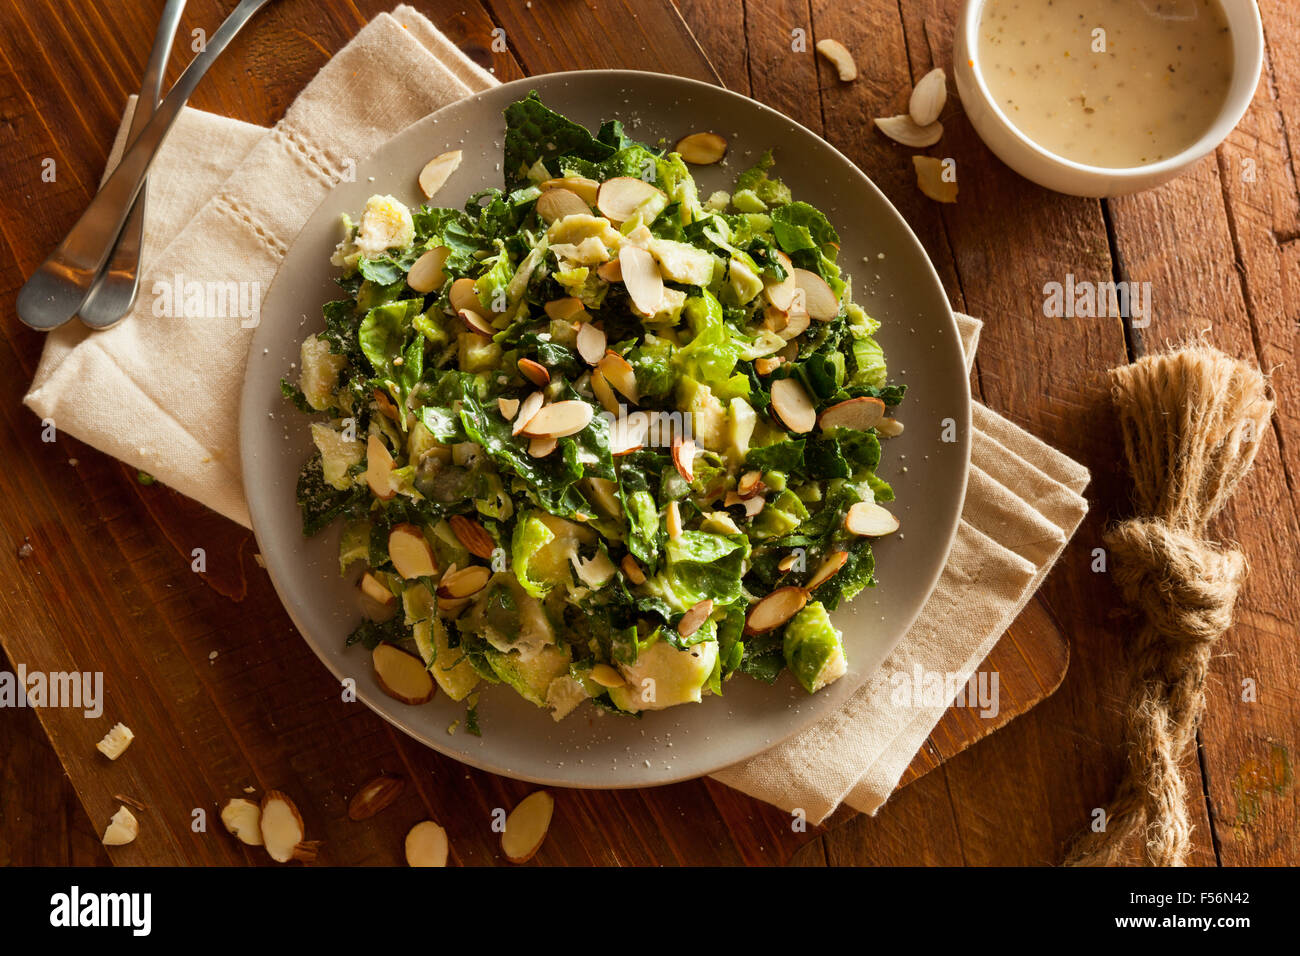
[1113, 83]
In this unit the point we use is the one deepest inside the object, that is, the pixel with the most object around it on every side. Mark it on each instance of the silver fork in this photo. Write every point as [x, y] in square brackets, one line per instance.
[115, 289]
[55, 291]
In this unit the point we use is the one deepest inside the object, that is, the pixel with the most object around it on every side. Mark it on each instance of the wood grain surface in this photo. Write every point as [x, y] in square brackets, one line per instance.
[226, 696]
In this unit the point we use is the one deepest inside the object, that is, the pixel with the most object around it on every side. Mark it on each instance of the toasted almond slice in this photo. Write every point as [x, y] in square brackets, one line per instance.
[870, 520]
[541, 447]
[462, 297]
[508, 407]
[611, 271]
[701, 149]
[928, 97]
[437, 171]
[786, 563]
[281, 826]
[379, 468]
[114, 743]
[559, 420]
[526, 826]
[751, 483]
[473, 536]
[619, 373]
[694, 618]
[860, 413]
[796, 324]
[829, 568]
[527, 409]
[619, 198]
[753, 505]
[767, 365]
[535, 372]
[889, 428]
[632, 569]
[375, 796]
[684, 458]
[642, 278]
[604, 394]
[781, 294]
[374, 589]
[591, 343]
[793, 406]
[819, 300]
[673, 519]
[386, 406]
[585, 188]
[476, 323]
[410, 552]
[840, 58]
[402, 676]
[426, 274]
[464, 583]
[243, 820]
[930, 179]
[628, 434]
[426, 845]
[557, 203]
[606, 676]
[775, 609]
[903, 129]
[564, 310]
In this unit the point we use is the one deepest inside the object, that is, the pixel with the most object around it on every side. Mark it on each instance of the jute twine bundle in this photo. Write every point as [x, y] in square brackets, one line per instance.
[1192, 421]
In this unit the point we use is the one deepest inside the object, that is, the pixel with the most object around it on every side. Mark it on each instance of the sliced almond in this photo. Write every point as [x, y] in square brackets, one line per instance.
[243, 820]
[410, 552]
[870, 520]
[376, 795]
[535, 372]
[557, 203]
[642, 278]
[611, 271]
[753, 505]
[606, 676]
[889, 428]
[462, 296]
[840, 58]
[386, 406]
[426, 845]
[701, 149]
[564, 310]
[437, 171]
[775, 609]
[684, 459]
[281, 826]
[591, 343]
[819, 300]
[767, 365]
[604, 394]
[508, 407]
[426, 274]
[122, 828]
[379, 468]
[628, 434]
[115, 742]
[673, 520]
[781, 294]
[374, 589]
[859, 413]
[930, 179]
[786, 563]
[526, 826]
[619, 373]
[619, 198]
[793, 406]
[796, 324]
[829, 568]
[903, 129]
[585, 188]
[632, 569]
[928, 97]
[541, 447]
[473, 536]
[402, 676]
[559, 420]
[464, 583]
[694, 618]
[476, 323]
[751, 483]
[527, 409]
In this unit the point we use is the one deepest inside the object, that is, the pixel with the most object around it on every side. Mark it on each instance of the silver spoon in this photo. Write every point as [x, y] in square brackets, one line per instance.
[114, 291]
[54, 293]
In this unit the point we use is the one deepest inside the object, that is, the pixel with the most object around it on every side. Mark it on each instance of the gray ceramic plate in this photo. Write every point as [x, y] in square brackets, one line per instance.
[893, 279]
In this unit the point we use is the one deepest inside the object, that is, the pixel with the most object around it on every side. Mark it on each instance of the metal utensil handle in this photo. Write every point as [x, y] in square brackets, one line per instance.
[54, 293]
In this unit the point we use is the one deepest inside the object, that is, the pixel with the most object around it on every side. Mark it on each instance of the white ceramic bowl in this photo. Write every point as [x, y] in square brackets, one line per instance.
[1077, 179]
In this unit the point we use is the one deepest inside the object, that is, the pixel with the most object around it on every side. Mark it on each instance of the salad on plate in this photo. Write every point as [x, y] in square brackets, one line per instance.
[593, 435]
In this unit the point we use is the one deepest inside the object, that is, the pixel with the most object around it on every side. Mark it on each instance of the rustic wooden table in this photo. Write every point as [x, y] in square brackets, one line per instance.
[224, 695]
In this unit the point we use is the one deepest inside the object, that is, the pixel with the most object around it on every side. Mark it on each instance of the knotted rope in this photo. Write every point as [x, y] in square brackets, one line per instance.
[1192, 421]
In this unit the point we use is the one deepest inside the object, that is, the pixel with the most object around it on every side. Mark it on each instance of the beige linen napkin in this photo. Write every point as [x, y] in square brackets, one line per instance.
[227, 199]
